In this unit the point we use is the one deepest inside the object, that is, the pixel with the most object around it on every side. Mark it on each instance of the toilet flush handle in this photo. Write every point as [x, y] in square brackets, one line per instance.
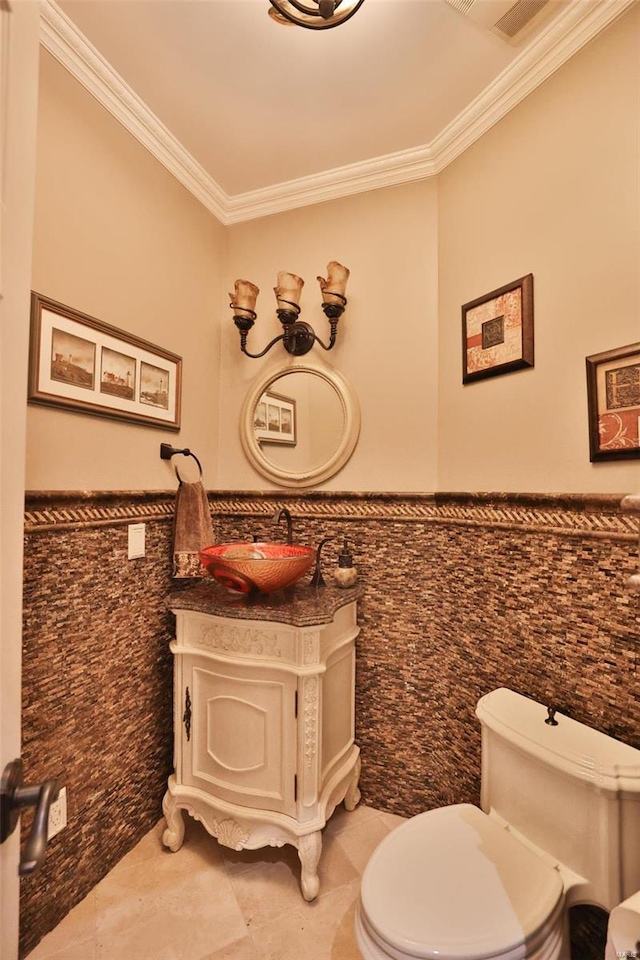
[551, 718]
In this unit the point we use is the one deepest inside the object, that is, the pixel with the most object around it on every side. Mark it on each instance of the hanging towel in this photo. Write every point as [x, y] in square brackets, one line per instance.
[192, 529]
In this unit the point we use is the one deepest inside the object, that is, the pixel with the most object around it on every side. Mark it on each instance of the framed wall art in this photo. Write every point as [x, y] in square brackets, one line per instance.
[613, 396]
[82, 364]
[275, 419]
[497, 331]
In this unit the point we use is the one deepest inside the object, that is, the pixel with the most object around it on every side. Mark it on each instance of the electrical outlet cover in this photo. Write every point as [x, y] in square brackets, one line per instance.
[57, 814]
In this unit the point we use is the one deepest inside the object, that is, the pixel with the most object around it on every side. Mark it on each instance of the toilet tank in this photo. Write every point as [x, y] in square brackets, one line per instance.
[571, 791]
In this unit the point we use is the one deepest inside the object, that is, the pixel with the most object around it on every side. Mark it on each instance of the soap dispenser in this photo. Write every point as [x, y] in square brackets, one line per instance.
[345, 574]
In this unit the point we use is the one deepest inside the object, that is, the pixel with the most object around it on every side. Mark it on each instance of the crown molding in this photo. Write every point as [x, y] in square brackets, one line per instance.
[386, 171]
[558, 42]
[62, 39]
[571, 30]
[565, 36]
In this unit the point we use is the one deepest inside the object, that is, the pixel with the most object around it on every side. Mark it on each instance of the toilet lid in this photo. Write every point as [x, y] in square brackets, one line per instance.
[451, 884]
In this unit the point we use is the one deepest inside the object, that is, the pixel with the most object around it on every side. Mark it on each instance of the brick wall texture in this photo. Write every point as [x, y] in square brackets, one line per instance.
[461, 594]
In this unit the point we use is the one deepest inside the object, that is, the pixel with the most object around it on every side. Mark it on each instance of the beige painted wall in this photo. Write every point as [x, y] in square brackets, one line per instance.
[118, 238]
[387, 337]
[552, 190]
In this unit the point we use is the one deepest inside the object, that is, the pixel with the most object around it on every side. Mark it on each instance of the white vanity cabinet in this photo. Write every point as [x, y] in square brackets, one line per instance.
[263, 719]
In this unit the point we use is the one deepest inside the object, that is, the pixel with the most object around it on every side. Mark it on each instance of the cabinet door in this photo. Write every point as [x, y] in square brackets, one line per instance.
[242, 737]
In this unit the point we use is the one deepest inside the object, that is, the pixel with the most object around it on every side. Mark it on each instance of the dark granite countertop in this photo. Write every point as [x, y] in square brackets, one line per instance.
[299, 606]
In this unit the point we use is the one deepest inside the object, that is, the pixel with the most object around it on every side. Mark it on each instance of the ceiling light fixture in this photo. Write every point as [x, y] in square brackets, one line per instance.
[314, 14]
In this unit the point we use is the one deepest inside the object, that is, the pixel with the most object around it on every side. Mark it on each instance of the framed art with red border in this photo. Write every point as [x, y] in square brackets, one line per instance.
[497, 331]
[613, 395]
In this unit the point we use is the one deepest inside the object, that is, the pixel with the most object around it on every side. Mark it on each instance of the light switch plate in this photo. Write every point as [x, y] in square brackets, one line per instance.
[136, 540]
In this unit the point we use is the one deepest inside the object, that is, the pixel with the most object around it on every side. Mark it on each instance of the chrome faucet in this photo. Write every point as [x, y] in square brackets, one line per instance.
[283, 512]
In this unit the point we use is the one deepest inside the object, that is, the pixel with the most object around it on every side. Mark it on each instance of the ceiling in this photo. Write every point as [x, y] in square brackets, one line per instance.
[256, 117]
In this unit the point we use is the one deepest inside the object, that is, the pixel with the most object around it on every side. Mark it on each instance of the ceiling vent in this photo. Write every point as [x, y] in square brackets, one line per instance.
[504, 18]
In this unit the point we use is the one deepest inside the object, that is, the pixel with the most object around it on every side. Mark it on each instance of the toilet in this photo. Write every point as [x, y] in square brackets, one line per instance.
[559, 825]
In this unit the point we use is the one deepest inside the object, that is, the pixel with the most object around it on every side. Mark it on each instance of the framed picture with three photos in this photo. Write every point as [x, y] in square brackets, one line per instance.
[79, 363]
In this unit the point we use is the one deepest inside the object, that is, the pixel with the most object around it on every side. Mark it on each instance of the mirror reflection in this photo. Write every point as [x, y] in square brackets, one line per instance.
[300, 425]
[299, 422]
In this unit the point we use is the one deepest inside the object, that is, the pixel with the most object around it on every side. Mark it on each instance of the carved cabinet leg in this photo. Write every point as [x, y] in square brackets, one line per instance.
[352, 796]
[174, 834]
[309, 850]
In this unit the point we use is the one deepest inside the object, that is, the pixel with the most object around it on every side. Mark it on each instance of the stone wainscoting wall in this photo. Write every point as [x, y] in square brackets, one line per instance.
[462, 593]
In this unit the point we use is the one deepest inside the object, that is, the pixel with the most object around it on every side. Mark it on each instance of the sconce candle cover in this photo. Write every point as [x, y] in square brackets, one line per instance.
[289, 289]
[244, 296]
[334, 287]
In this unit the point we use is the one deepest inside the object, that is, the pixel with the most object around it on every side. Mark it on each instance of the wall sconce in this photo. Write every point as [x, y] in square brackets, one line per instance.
[298, 337]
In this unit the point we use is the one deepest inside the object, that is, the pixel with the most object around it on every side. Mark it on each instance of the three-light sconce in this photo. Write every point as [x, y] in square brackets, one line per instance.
[298, 337]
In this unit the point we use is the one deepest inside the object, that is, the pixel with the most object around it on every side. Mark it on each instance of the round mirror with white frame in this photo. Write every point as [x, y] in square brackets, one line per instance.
[300, 424]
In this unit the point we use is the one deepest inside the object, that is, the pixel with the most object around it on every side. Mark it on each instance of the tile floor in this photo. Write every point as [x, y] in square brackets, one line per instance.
[207, 902]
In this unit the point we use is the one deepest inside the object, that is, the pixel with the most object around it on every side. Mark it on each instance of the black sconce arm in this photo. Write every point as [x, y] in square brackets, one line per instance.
[256, 356]
[298, 336]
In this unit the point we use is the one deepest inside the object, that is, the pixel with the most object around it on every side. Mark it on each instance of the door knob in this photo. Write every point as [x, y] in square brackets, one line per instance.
[14, 797]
